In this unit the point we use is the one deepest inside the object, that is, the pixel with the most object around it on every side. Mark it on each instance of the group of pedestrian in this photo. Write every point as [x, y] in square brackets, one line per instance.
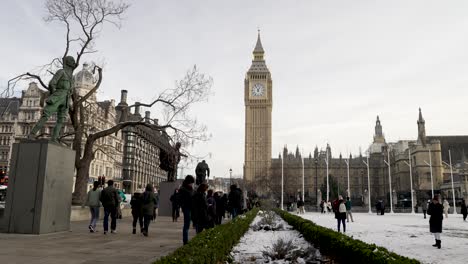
[144, 204]
[325, 207]
[204, 207]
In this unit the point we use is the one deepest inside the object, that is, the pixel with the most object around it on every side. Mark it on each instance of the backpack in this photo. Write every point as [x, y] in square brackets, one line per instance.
[336, 206]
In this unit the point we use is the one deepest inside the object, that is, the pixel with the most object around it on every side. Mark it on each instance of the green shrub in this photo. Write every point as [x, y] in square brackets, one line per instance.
[212, 245]
[341, 247]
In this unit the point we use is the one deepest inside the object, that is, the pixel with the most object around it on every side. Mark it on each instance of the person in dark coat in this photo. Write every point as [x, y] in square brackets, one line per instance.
[424, 208]
[436, 211]
[220, 208]
[235, 201]
[464, 209]
[110, 200]
[211, 209]
[137, 213]
[200, 215]
[184, 199]
[223, 209]
[175, 206]
[149, 202]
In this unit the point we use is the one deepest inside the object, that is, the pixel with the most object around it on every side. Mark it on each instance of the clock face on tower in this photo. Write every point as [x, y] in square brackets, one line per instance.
[258, 90]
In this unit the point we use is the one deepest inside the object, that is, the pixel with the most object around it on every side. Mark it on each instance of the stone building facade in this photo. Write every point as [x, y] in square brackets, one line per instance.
[142, 148]
[426, 156]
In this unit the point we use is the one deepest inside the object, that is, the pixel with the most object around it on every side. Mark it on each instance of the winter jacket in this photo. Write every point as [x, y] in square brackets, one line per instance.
[184, 197]
[436, 213]
[93, 198]
[348, 205]
[136, 204]
[109, 197]
[200, 210]
[148, 201]
[464, 210]
[235, 199]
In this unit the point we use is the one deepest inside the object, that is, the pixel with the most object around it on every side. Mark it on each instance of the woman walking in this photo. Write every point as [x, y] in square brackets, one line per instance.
[184, 199]
[464, 210]
[148, 204]
[175, 206]
[435, 210]
[94, 204]
[137, 212]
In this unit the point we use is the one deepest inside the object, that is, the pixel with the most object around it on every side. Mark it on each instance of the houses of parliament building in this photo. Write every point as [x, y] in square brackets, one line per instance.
[428, 157]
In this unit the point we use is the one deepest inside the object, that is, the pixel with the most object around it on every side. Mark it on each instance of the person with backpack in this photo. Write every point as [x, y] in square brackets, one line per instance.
[94, 205]
[184, 199]
[137, 210]
[110, 200]
[211, 209]
[149, 202]
[235, 201]
[341, 214]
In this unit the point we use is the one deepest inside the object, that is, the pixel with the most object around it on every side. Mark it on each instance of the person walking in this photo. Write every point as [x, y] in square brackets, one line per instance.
[219, 208]
[322, 206]
[223, 209]
[137, 210]
[424, 207]
[340, 215]
[156, 205]
[446, 207]
[349, 214]
[435, 210]
[175, 206]
[149, 202]
[300, 206]
[200, 216]
[235, 201]
[110, 200]
[184, 199]
[94, 205]
[211, 209]
[464, 209]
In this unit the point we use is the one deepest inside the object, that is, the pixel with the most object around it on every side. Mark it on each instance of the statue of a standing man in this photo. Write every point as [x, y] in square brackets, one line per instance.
[202, 171]
[60, 88]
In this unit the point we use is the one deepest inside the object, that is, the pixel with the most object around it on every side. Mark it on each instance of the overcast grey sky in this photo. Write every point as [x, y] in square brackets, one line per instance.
[335, 65]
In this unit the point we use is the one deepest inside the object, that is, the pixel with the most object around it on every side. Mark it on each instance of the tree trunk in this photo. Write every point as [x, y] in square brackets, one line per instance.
[82, 173]
[81, 183]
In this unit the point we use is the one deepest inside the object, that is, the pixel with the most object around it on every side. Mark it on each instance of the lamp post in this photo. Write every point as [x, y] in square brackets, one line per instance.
[282, 182]
[430, 166]
[328, 187]
[316, 181]
[389, 179]
[451, 176]
[303, 181]
[411, 180]
[368, 182]
[230, 176]
[347, 168]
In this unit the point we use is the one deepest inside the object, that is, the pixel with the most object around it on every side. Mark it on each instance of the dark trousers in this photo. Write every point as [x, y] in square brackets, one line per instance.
[464, 217]
[199, 227]
[424, 212]
[146, 222]
[137, 218]
[112, 211]
[185, 229]
[344, 224]
[175, 212]
[234, 212]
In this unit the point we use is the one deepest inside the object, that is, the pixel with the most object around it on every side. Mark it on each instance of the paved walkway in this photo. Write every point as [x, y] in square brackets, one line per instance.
[79, 246]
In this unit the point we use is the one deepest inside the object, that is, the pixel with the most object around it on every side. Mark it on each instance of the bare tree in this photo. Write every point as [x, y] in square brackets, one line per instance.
[83, 21]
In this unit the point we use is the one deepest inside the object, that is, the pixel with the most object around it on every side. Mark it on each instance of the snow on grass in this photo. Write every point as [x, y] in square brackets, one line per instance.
[250, 247]
[406, 234]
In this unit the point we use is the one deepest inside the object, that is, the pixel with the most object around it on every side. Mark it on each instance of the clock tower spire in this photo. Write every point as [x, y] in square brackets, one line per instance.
[258, 104]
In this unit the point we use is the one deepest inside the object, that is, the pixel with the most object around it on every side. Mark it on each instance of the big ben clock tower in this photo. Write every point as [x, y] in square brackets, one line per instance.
[258, 104]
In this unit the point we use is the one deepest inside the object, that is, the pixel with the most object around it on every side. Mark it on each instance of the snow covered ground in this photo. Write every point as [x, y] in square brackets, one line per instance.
[250, 247]
[406, 234]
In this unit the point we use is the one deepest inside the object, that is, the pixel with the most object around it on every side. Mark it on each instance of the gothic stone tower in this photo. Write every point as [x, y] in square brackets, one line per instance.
[258, 104]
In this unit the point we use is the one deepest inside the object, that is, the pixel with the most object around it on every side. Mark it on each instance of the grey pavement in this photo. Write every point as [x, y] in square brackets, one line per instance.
[79, 246]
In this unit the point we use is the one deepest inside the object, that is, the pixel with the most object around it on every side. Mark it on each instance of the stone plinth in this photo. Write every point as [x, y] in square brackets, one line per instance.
[166, 189]
[39, 189]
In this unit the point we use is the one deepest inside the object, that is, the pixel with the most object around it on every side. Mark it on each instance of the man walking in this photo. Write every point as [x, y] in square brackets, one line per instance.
[110, 200]
[349, 214]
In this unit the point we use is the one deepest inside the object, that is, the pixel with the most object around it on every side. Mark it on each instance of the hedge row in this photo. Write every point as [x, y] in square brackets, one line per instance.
[345, 249]
[212, 245]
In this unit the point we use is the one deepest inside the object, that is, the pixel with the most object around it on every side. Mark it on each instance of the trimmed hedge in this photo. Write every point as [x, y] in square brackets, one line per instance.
[345, 249]
[212, 245]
